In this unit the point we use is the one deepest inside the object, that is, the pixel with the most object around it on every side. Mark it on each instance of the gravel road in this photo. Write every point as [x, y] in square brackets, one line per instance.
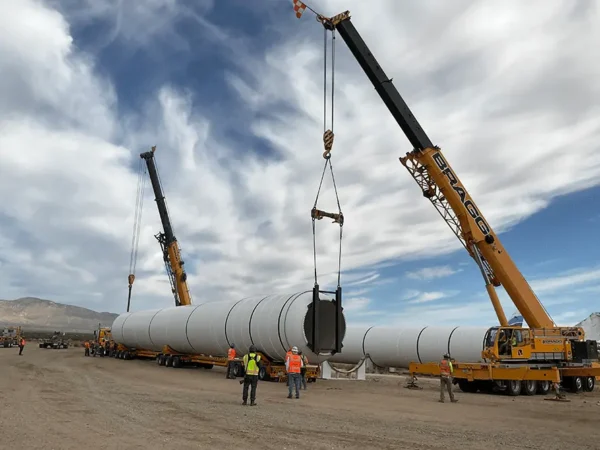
[59, 399]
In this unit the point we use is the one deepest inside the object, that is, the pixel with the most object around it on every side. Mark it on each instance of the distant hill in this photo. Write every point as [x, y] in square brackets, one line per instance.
[37, 314]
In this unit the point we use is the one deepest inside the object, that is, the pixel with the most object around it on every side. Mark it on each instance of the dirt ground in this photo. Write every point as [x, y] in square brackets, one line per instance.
[59, 399]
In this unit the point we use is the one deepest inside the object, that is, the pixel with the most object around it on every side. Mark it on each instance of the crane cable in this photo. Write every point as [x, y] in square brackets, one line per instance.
[328, 136]
[137, 223]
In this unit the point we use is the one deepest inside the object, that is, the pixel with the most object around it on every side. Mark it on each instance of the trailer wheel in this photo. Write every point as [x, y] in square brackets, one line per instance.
[169, 361]
[263, 375]
[513, 387]
[529, 387]
[176, 362]
[159, 360]
[543, 387]
[237, 370]
[589, 384]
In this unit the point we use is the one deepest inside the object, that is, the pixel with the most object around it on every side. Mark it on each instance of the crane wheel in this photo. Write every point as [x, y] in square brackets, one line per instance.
[576, 384]
[543, 387]
[529, 387]
[513, 387]
[589, 383]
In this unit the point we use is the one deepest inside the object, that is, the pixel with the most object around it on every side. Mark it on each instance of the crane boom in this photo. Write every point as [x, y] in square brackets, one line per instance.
[167, 240]
[441, 185]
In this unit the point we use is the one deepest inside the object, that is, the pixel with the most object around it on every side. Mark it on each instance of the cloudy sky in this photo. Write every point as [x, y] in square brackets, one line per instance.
[231, 94]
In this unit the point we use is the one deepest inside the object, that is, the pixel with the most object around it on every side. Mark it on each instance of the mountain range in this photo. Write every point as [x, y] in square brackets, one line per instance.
[38, 314]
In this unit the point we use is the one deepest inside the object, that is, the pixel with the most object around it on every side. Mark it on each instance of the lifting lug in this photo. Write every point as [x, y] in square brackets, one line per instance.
[328, 143]
[317, 214]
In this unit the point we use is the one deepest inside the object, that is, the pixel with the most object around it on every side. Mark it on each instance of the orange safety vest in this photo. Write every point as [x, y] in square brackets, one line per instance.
[231, 354]
[87, 344]
[294, 364]
[23, 342]
[445, 368]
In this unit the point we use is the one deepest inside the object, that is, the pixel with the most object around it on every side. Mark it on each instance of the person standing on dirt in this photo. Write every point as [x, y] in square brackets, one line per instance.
[251, 367]
[21, 346]
[303, 369]
[446, 371]
[231, 353]
[87, 348]
[293, 366]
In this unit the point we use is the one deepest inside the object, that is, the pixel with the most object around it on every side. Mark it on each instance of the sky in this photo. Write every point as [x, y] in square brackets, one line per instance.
[231, 93]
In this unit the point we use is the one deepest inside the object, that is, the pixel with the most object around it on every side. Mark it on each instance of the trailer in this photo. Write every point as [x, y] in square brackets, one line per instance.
[270, 370]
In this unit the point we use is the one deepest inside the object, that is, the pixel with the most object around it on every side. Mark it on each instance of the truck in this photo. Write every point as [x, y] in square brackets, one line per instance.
[56, 341]
[10, 337]
[516, 359]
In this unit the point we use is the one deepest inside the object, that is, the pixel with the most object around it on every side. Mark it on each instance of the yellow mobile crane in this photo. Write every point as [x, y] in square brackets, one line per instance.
[174, 265]
[541, 354]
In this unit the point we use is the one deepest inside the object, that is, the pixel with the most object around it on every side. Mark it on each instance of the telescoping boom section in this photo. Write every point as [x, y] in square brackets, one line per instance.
[170, 247]
[544, 352]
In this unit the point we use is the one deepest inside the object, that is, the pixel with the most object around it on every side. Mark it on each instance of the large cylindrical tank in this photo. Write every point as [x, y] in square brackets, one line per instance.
[272, 323]
[398, 347]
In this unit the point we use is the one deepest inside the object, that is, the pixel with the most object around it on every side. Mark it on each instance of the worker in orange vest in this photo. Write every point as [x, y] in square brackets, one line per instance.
[230, 364]
[446, 371]
[87, 348]
[288, 354]
[21, 346]
[293, 367]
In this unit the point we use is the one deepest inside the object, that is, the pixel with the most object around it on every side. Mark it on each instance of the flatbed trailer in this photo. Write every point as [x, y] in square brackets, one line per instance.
[269, 370]
[512, 379]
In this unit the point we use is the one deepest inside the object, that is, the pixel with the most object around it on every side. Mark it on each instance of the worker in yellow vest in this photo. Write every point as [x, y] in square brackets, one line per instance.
[231, 354]
[446, 371]
[252, 366]
[293, 366]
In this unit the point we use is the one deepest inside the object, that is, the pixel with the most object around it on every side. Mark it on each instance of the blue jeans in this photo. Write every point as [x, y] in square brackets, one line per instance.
[294, 379]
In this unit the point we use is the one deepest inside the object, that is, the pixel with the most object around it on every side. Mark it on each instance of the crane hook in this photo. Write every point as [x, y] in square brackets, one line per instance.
[328, 143]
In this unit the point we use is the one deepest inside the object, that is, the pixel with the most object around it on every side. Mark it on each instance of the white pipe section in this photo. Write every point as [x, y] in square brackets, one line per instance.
[273, 324]
[398, 347]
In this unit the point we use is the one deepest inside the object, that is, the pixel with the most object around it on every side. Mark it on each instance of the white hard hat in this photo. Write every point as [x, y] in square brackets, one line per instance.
[294, 349]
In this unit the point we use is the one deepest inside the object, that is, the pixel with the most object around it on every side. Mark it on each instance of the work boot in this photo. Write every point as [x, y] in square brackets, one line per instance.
[289, 396]
[441, 401]
[252, 403]
[244, 403]
[297, 396]
[454, 400]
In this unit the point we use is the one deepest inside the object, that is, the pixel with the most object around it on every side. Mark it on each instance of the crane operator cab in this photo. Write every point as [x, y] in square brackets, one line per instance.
[506, 343]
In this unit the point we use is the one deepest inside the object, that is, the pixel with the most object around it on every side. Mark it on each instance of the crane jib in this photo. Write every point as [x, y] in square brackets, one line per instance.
[462, 193]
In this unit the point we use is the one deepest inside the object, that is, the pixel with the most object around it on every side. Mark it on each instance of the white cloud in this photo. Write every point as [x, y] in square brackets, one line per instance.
[430, 273]
[67, 151]
[572, 278]
[426, 297]
[354, 304]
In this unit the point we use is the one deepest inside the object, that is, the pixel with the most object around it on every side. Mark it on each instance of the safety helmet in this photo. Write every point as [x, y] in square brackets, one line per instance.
[252, 349]
[446, 356]
[294, 349]
[232, 345]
